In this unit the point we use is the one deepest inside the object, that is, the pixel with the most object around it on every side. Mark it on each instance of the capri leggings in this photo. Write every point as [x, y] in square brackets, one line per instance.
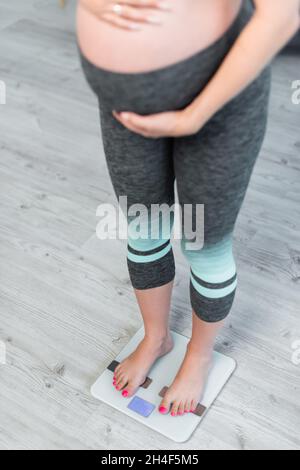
[212, 168]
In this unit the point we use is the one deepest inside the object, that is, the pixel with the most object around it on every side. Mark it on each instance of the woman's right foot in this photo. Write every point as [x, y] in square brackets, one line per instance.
[187, 389]
[133, 371]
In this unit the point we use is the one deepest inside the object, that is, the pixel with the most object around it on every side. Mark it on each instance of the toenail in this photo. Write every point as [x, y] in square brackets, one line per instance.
[162, 409]
[173, 414]
[125, 393]
[181, 413]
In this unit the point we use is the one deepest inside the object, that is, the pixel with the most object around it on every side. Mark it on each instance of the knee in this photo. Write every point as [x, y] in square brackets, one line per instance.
[148, 240]
[151, 267]
[150, 258]
[213, 280]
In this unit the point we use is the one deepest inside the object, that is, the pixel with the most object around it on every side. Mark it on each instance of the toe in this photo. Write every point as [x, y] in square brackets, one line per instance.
[193, 406]
[187, 406]
[125, 393]
[181, 409]
[174, 410]
[118, 379]
[121, 383]
[130, 389]
[165, 406]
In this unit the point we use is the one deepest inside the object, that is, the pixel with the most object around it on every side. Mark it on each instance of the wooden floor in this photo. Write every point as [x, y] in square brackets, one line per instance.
[66, 305]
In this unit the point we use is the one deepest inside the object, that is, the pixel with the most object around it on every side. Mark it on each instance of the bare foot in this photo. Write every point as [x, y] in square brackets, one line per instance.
[187, 389]
[133, 371]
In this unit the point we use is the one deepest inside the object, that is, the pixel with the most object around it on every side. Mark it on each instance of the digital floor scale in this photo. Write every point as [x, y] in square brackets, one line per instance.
[143, 407]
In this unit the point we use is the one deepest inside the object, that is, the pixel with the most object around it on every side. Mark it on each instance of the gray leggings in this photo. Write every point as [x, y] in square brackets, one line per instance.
[213, 167]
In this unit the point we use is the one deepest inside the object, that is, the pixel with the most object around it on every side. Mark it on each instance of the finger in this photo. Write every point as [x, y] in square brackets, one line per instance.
[129, 122]
[156, 4]
[120, 22]
[155, 125]
[134, 14]
[140, 131]
[141, 125]
[145, 124]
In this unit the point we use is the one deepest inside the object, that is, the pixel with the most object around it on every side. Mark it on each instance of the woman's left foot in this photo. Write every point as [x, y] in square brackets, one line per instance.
[187, 389]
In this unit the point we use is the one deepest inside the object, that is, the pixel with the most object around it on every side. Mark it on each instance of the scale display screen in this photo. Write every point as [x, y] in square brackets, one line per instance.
[142, 407]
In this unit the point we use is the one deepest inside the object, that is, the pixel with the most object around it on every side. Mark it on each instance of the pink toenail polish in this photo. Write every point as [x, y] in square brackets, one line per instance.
[162, 410]
[173, 414]
[125, 393]
[181, 413]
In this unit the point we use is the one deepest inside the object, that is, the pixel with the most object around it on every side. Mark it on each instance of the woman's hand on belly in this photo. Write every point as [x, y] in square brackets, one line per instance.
[169, 124]
[127, 14]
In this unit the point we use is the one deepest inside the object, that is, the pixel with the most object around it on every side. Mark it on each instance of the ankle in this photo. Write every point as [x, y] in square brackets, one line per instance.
[199, 350]
[157, 339]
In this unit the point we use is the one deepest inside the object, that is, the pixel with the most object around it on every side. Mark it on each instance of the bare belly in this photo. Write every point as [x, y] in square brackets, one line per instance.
[192, 26]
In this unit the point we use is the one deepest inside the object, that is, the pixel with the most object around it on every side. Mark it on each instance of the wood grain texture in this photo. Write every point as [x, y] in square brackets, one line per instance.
[66, 304]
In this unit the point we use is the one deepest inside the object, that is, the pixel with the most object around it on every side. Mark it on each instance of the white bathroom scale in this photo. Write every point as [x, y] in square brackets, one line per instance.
[143, 406]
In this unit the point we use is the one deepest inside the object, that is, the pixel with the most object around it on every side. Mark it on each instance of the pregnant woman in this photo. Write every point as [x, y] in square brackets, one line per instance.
[183, 89]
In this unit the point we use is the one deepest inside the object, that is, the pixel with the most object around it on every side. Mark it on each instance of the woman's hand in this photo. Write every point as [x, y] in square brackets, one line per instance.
[128, 14]
[270, 28]
[169, 124]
